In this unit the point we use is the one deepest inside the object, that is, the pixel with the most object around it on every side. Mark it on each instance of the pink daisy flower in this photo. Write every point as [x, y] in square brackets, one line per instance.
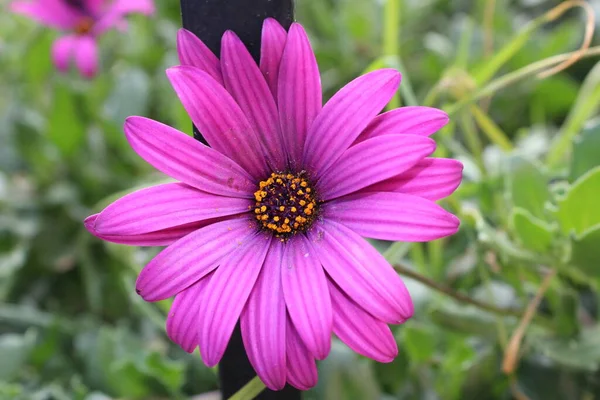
[266, 225]
[84, 20]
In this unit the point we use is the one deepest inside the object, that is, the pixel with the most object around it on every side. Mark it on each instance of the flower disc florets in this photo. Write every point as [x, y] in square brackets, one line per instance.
[285, 203]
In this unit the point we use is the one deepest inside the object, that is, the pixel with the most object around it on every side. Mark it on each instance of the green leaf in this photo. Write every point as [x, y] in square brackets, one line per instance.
[586, 151]
[578, 211]
[419, 342]
[15, 350]
[582, 353]
[527, 185]
[65, 129]
[532, 232]
[585, 251]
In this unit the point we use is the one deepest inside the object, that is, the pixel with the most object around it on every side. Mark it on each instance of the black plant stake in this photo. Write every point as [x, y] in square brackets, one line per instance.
[209, 19]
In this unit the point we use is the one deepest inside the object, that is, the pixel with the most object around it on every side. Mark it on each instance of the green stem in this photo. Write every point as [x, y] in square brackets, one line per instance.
[250, 390]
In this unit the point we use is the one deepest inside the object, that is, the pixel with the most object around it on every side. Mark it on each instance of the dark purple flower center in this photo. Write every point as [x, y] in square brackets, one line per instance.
[285, 204]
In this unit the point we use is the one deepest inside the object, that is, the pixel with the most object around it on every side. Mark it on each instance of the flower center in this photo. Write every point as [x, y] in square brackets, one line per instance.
[84, 25]
[285, 204]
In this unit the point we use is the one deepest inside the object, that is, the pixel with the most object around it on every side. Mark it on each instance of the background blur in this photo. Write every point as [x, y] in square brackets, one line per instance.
[72, 326]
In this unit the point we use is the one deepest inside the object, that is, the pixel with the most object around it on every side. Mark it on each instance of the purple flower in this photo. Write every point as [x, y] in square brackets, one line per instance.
[266, 224]
[84, 20]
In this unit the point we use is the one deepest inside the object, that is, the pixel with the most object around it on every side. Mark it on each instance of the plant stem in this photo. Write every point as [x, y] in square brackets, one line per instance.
[250, 390]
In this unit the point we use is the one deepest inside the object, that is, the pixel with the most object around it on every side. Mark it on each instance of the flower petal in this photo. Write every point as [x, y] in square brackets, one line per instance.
[263, 322]
[298, 92]
[272, 41]
[301, 367]
[191, 258]
[362, 332]
[431, 178]
[192, 51]
[164, 206]
[345, 116]
[63, 50]
[53, 13]
[183, 318]
[164, 237]
[307, 297]
[361, 272]
[118, 9]
[226, 296]
[86, 56]
[218, 117]
[372, 161]
[248, 87]
[392, 216]
[183, 158]
[412, 120]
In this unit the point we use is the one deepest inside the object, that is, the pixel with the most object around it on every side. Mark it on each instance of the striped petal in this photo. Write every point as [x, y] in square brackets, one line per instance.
[272, 41]
[225, 300]
[183, 158]
[263, 322]
[392, 216]
[372, 161]
[361, 272]
[192, 51]
[301, 367]
[191, 258]
[345, 116]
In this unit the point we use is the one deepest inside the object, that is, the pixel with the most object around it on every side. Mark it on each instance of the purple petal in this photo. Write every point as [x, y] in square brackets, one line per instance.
[183, 158]
[298, 93]
[164, 206]
[301, 367]
[362, 332]
[164, 237]
[345, 116]
[191, 258]
[263, 322]
[361, 272]
[218, 117]
[53, 13]
[86, 56]
[248, 87]
[372, 161]
[184, 315]
[412, 120]
[118, 9]
[226, 296]
[431, 178]
[63, 50]
[307, 297]
[271, 49]
[392, 216]
[192, 51]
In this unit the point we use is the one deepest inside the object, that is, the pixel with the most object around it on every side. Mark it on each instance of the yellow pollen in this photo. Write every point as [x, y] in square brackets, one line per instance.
[276, 218]
[293, 209]
[281, 208]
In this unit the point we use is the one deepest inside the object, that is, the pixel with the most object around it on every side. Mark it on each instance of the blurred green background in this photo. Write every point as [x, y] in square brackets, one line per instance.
[72, 326]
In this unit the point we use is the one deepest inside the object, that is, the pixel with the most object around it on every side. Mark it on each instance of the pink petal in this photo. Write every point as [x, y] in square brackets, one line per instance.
[362, 332]
[298, 93]
[164, 237]
[412, 120]
[392, 216]
[372, 161]
[345, 116]
[263, 322]
[184, 315]
[118, 9]
[248, 87]
[271, 49]
[431, 178]
[96, 7]
[192, 51]
[191, 258]
[301, 367]
[86, 56]
[226, 296]
[63, 50]
[307, 297]
[219, 118]
[53, 13]
[164, 206]
[183, 158]
[361, 272]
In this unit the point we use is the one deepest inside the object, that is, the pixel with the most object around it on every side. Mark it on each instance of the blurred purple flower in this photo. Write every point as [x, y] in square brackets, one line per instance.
[265, 225]
[84, 20]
